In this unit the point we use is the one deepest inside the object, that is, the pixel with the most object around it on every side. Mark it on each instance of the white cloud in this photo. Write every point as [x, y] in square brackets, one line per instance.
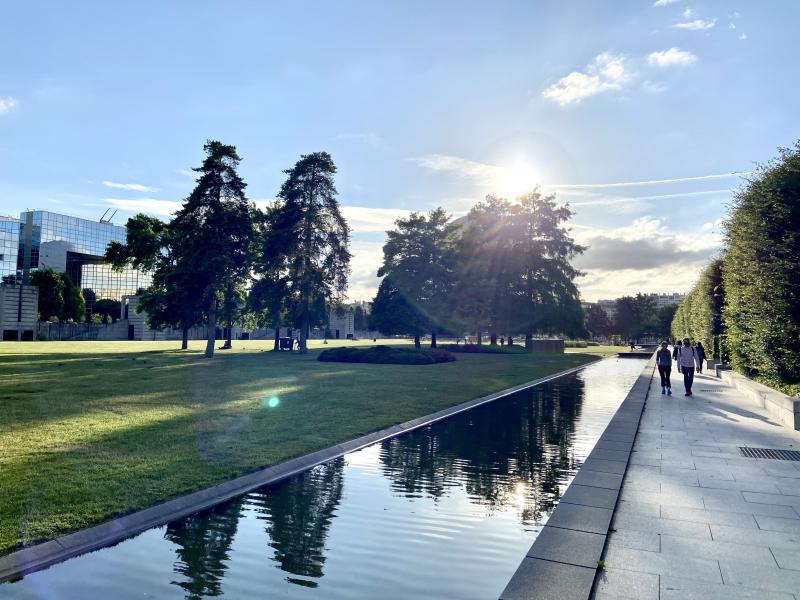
[731, 26]
[653, 87]
[743, 36]
[688, 13]
[462, 167]
[649, 182]
[363, 219]
[162, 208]
[664, 2]
[367, 257]
[671, 58]
[186, 173]
[640, 256]
[607, 72]
[697, 24]
[7, 104]
[135, 187]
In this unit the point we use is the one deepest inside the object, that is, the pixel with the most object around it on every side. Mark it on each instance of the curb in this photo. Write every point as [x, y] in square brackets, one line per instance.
[37, 557]
[563, 561]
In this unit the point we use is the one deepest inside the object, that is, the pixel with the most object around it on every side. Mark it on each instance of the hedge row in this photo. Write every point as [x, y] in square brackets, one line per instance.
[750, 299]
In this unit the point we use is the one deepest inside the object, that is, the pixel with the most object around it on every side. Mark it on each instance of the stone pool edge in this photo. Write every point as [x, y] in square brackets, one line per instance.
[564, 560]
[38, 557]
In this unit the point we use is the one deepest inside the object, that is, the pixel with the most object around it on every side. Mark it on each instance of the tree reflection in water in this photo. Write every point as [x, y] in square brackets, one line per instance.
[204, 541]
[298, 513]
[514, 451]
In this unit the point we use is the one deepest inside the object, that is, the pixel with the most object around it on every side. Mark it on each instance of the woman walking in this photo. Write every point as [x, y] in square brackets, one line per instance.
[687, 360]
[701, 355]
[664, 362]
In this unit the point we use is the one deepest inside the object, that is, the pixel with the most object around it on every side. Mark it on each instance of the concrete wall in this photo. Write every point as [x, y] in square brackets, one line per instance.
[553, 345]
[784, 409]
[19, 305]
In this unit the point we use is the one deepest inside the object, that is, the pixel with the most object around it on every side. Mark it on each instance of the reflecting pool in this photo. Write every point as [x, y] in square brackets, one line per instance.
[446, 511]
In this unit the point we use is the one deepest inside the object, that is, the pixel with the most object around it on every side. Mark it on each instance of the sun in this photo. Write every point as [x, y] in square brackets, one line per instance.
[516, 179]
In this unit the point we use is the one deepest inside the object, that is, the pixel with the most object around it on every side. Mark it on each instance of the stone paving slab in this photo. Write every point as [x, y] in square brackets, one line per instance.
[727, 526]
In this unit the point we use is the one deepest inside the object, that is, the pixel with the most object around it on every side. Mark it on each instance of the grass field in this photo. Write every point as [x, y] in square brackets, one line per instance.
[597, 350]
[89, 430]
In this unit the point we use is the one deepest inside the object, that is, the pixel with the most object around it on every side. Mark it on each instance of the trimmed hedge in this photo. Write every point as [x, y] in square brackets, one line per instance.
[386, 355]
[762, 273]
[699, 316]
[484, 349]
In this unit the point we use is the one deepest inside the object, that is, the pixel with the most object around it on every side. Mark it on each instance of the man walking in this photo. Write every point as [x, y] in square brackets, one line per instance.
[664, 362]
[687, 360]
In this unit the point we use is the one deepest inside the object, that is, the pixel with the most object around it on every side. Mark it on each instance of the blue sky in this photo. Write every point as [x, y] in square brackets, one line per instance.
[421, 104]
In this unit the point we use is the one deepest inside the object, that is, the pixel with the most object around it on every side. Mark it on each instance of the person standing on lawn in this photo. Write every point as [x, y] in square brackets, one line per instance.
[687, 361]
[701, 355]
[664, 362]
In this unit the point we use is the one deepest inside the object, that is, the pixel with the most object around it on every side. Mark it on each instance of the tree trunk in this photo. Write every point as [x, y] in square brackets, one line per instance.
[212, 327]
[493, 339]
[529, 341]
[433, 339]
[184, 338]
[416, 341]
[478, 337]
[277, 345]
[303, 333]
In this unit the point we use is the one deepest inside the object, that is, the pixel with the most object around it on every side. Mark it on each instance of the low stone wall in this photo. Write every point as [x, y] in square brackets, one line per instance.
[785, 409]
[564, 559]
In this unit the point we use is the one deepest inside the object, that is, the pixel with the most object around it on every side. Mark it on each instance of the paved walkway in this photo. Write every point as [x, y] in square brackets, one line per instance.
[695, 519]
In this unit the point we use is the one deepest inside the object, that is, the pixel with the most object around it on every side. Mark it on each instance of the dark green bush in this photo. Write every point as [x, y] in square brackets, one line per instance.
[386, 355]
[761, 272]
[575, 344]
[484, 349]
[699, 316]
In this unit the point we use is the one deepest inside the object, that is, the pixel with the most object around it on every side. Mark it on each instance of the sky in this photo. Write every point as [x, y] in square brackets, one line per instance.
[644, 115]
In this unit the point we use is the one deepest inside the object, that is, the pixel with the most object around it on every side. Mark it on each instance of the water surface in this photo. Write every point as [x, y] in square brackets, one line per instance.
[446, 511]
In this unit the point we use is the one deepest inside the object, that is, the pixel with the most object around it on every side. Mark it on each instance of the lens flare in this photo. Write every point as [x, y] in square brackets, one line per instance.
[270, 402]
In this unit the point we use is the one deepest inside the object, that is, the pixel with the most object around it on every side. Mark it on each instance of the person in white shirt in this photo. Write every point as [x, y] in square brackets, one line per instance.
[688, 360]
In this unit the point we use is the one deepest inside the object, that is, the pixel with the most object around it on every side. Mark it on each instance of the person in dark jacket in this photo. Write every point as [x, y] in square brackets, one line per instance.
[701, 355]
[664, 362]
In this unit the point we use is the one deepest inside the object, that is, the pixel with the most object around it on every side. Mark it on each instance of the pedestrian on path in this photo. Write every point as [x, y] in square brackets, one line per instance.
[687, 360]
[664, 362]
[701, 355]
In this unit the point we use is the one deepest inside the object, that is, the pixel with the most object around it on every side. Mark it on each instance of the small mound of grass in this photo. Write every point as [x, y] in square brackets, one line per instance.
[484, 349]
[386, 355]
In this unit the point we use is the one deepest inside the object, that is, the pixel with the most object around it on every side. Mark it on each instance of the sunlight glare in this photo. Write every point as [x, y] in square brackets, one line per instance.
[517, 179]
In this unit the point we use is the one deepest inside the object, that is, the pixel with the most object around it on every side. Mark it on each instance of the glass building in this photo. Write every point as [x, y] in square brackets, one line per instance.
[9, 246]
[76, 247]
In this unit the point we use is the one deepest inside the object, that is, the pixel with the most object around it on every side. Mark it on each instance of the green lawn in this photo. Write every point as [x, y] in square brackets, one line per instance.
[597, 350]
[89, 430]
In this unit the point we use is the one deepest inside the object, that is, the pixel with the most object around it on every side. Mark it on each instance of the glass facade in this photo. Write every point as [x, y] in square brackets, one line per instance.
[76, 246]
[9, 246]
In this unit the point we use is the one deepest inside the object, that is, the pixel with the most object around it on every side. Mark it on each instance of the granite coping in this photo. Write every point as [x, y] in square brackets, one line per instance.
[40, 556]
[563, 560]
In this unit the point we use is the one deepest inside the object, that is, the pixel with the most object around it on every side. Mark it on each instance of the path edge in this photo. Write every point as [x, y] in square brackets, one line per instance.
[565, 558]
[40, 556]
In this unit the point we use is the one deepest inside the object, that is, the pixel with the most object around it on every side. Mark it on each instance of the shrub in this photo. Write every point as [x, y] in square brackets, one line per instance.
[699, 316]
[575, 344]
[484, 349]
[761, 274]
[386, 355]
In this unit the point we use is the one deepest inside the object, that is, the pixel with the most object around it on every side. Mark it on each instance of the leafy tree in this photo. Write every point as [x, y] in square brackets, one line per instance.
[214, 232]
[393, 313]
[761, 274]
[633, 315]
[271, 294]
[317, 240]
[359, 319]
[419, 257]
[51, 293]
[481, 272]
[106, 307]
[173, 299]
[74, 308]
[662, 320]
[545, 297]
[597, 321]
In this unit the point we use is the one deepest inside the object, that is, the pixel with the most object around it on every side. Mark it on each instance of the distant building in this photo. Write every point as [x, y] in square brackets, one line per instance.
[341, 323]
[9, 247]
[76, 247]
[18, 308]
